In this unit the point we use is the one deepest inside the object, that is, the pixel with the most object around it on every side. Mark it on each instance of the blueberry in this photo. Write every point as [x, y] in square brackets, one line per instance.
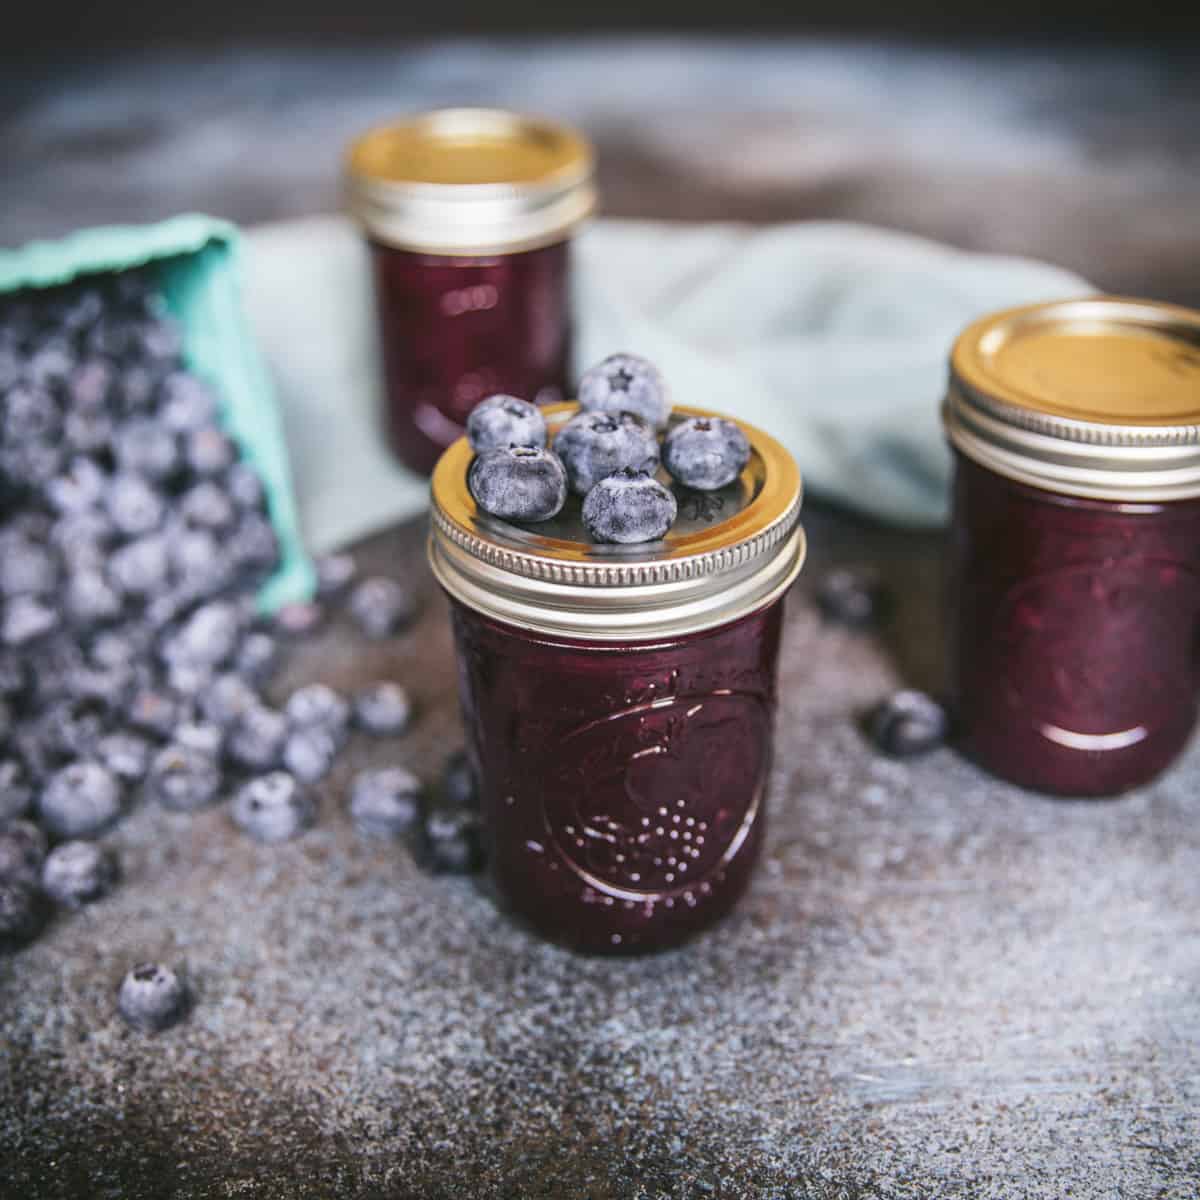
[299, 619]
[120, 647]
[27, 569]
[135, 389]
[141, 567]
[626, 383]
[134, 505]
[705, 453]
[853, 596]
[909, 723]
[87, 432]
[458, 781]
[183, 778]
[81, 800]
[186, 405]
[83, 539]
[25, 620]
[309, 753]
[520, 483]
[142, 446]
[89, 387]
[50, 364]
[152, 998]
[385, 802]
[227, 700]
[78, 873]
[252, 543]
[383, 709]
[257, 739]
[16, 794]
[22, 849]
[78, 489]
[30, 464]
[273, 808]
[89, 599]
[501, 421]
[30, 414]
[13, 673]
[595, 444]
[71, 727]
[257, 657]
[125, 755]
[204, 736]
[208, 451]
[206, 639]
[628, 507]
[153, 711]
[244, 487]
[451, 839]
[381, 606]
[335, 573]
[20, 914]
[206, 506]
[197, 556]
[318, 706]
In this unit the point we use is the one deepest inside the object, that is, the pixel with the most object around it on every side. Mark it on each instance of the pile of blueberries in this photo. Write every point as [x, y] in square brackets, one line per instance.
[133, 540]
[607, 453]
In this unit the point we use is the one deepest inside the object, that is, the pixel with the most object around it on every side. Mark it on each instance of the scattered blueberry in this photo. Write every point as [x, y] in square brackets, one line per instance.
[629, 507]
[317, 706]
[77, 873]
[451, 839]
[381, 607]
[458, 781]
[227, 699]
[299, 619]
[126, 755]
[383, 709]
[385, 802]
[20, 916]
[257, 739]
[183, 778]
[626, 383]
[851, 596]
[501, 421]
[705, 453]
[909, 723]
[595, 444]
[22, 850]
[80, 800]
[257, 657]
[152, 998]
[335, 573]
[309, 752]
[273, 808]
[519, 483]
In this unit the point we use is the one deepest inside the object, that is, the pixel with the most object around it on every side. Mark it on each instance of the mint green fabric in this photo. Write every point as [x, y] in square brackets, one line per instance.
[199, 260]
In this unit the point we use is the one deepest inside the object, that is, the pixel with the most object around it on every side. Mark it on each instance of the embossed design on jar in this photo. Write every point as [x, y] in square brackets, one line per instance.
[655, 800]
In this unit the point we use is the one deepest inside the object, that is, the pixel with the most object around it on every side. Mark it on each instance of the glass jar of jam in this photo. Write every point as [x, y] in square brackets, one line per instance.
[468, 215]
[1075, 549]
[619, 701]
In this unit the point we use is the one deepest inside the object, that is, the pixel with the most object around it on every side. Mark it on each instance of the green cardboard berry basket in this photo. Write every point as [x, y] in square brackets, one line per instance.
[198, 262]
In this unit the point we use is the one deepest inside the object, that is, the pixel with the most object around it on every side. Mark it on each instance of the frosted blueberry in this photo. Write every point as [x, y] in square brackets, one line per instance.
[207, 638]
[16, 793]
[207, 506]
[22, 850]
[208, 451]
[595, 444]
[152, 998]
[20, 914]
[30, 414]
[200, 735]
[335, 573]
[89, 599]
[126, 755]
[135, 506]
[80, 800]
[27, 569]
[309, 752]
[451, 839]
[853, 596]
[83, 539]
[183, 778]
[186, 404]
[141, 566]
[519, 483]
[252, 543]
[26, 619]
[381, 606]
[153, 710]
[705, 453]
[257, 657]
[501, 421]
[244, 487]
[629, 507]
[317, 706]
[385, 802]
[89, 386]
[77, 873]
[188, 680]
[257, 739]
[626, 383]
[273, 808]
[88, 432]
[227, 700]
[78, 489]
[142, 446]
[909, 723]
[383, 709]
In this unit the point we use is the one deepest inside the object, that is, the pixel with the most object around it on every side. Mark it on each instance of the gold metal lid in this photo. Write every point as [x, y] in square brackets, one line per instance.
[469, 181]
[728, 554]
[1097, 397]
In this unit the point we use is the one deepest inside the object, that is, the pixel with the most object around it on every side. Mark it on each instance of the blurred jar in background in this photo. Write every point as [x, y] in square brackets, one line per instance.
[468, 214]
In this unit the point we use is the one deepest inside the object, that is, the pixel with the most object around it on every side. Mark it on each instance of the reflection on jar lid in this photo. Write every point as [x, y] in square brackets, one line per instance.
[728, 554]
[470, 181]
[1095, 397]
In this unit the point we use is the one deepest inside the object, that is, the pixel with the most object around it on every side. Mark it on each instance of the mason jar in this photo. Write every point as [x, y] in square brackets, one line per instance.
[468, 215]
[619, 702]
[1075, 548]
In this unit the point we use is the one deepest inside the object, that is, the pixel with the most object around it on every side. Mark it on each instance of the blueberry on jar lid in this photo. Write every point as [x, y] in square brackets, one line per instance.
[501, 421]
[519, 483]
[705, 453]
[593, 445]
[626, 383]
[628, 507]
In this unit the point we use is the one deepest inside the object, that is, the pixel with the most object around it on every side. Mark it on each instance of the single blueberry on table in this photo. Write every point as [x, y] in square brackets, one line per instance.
[628, 508]
[909, 723]
[183, 778]
[450, 839]
[852, 596]
[256, 741]
[593, 445]
[383, 709]
[335, 573]
[519, 483]
[22, 851]
[79, 801]
[705, 453]
[501, 421]
[309, 752]
[78, 873]
[152, 998]
[20, 913]
[385, 802]
[380, 606]
[273, 808]
[626, 383]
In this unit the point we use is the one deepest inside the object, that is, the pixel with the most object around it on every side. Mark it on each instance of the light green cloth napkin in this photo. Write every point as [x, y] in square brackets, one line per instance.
[832, 337]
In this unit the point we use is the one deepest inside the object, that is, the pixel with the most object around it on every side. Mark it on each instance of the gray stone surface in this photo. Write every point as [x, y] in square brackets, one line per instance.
[938, 985]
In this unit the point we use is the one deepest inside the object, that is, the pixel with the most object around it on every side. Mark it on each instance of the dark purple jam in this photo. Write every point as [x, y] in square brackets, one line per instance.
[623, 786]
[455, 330]
[1073, 633]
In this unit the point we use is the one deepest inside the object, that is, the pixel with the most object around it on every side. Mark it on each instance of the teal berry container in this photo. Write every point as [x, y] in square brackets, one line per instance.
[198, 263]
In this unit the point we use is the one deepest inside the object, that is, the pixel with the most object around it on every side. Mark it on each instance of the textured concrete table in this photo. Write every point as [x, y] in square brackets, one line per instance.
[939, 986]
